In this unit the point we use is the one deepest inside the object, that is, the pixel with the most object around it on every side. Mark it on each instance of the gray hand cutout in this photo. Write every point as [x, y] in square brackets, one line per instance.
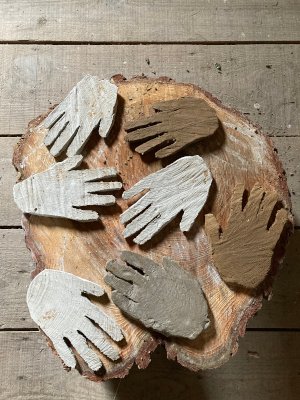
[58, 191]
[165, 298]
[90, 102]
[181, 186]
[56, 304]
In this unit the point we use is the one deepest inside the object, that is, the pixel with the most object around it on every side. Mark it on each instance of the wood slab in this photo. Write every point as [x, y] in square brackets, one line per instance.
[239, 153]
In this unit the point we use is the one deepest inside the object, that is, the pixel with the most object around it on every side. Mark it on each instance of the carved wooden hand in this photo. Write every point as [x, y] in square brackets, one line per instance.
[181, 186]
[58, 191]
[176, 124]
[56, 304]
[90, 102]
[165, 298]
[243, 251]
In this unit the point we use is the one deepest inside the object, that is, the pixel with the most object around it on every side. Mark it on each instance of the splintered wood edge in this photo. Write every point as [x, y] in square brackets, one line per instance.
[142, 358]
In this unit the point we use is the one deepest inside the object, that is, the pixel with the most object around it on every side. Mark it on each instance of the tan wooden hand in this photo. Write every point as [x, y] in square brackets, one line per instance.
[243, 251]
[90, 103]
[56, 304]
[175, 125]
[163, 297]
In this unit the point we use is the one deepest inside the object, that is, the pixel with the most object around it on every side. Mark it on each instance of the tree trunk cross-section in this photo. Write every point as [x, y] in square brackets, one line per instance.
[237, 153]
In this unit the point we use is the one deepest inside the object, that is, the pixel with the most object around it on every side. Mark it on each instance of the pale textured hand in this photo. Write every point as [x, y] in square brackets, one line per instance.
[59, 191]
[56, 304]
[181, 186]
[165, 298]
[90, 103]
[243, 250]
[176, 124]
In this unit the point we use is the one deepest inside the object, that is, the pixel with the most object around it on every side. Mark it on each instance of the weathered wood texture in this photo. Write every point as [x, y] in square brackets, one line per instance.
[240, 152]
[15, 267]
[182, 186]
[63, 190]
[173, 125]
[150, 21]
[267, 367]
[163, 297]
[257, 80]
[288, 151]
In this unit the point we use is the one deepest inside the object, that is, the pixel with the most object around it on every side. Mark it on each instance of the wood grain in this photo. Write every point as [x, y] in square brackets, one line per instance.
[154, 21]
[239, 148]
[288, 150]
[256, 80]
[282, 311]
[266, 367]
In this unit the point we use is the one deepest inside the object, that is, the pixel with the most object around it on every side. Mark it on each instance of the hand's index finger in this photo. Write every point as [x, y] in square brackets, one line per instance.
[144, 264]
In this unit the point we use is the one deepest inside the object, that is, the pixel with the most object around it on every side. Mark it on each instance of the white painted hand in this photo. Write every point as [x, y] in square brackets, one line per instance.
[56, 304]
[181, 186]
[90, 102]
[58, 191]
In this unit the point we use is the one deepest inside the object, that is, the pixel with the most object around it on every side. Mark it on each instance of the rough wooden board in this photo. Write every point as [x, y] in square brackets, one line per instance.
[15, 268]
[158, 20]
[163, 297]
[282, 311]
[246, 156]
[288, 151]
[9, 213]
[266, 367]
[34, 77]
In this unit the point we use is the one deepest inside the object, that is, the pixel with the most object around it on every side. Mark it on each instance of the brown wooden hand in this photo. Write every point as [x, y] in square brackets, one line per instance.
[176, 124]
[165, 298]
[243, 251]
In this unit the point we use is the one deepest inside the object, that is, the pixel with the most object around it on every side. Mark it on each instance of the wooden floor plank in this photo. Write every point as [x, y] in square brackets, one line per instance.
[150, 21]
[267, 366]
[257, 80]
[288, 150]
[16, 264]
